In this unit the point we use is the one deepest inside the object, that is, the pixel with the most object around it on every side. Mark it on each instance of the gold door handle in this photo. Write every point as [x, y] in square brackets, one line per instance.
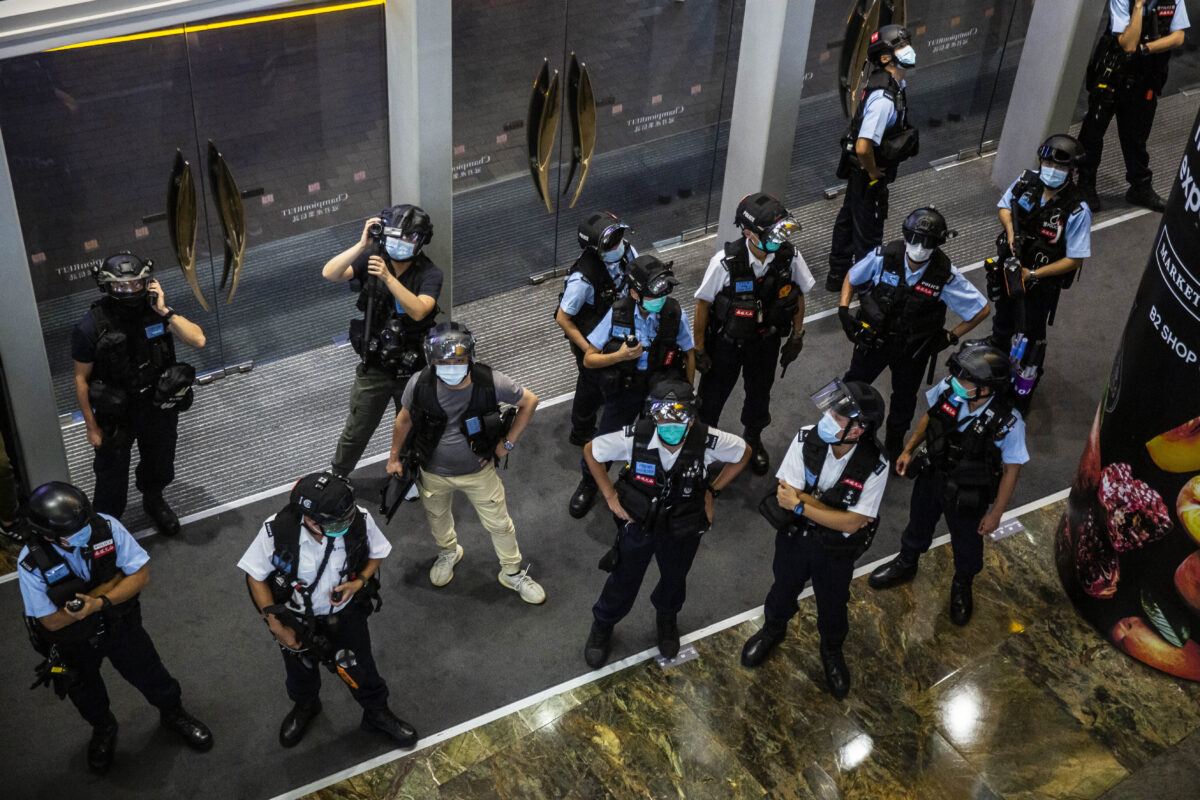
[232, 214]
[581, 106]
[863, 21]
[541, 126]
[182, 222]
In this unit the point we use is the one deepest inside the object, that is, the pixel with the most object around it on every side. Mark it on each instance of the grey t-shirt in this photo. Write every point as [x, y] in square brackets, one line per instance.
[453, 455]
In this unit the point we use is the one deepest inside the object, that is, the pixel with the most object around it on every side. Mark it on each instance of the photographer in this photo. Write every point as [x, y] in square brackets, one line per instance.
[398, 299]
[129, 386]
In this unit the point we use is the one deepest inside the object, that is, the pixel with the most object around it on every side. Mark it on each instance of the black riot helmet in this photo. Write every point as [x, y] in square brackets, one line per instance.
[651, 278]
[887, 41]
[926, 227]
[408, 222]
[124, 277]
[766, 217]
[602, 231]
[449, 340]
[57, 509]
[671, 400]
[1062, 150]
[327, 500]
[855, 400]
[981, 364]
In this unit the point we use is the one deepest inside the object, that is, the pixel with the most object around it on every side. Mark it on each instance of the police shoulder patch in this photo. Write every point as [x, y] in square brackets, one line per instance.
[711, 442]
[881, 466]
[27, 565]
[629, 429]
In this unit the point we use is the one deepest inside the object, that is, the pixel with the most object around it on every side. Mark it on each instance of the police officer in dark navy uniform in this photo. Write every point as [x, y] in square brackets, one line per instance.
[130, 387]
[1047, 235]
[879, 138]
[825, 511]
[662, 503]
[644, 337]
[904, 290]
[966, 454]
[398, 298]
[80, 576]
[750, 301]
[313, 575]
[1125, 77]
[595, 282]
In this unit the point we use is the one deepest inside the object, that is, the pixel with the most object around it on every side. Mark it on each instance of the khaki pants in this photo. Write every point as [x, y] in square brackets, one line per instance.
[486, 493]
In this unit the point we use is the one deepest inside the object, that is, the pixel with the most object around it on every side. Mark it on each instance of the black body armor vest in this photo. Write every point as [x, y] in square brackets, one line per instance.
[285, 531]
[968, 461]
[605, 290]
[1151, 71]
[664, 358]
[396, 340]
[483, 425]
[751, 307]
[899, 140]
[1042, 230]
[135, 363]
[671, 500]
[865, 461]
[901, 312]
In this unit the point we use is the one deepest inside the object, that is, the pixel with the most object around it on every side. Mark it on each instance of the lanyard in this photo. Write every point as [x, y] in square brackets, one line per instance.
[306, 591]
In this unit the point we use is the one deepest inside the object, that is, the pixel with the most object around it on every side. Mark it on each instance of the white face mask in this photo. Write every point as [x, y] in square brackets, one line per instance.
[452, 374]
[907, 56]
[917, 253]
[1053, 176]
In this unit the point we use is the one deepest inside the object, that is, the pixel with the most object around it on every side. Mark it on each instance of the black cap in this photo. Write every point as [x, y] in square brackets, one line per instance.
[870, 404]
[58, 509]
[981, 364]
[758, 212]
[928, 226]
[324, 497]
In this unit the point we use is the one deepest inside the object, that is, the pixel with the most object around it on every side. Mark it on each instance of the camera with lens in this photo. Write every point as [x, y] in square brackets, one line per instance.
[631, 340]
[375, 231]
[75, 604]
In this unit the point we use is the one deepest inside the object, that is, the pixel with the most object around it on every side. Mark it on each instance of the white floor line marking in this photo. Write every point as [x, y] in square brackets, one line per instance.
[607, 669]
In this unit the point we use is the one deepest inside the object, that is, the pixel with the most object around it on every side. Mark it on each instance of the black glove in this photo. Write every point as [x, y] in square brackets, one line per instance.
[703, 361]
[941, 342]
[849, 324]
[790, 351]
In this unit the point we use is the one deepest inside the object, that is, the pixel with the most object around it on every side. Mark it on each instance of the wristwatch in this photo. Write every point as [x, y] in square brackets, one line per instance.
[167, 316]
[509, 445]
[714, 491]
[1143, 49]
[798, 509]
[952, 338]
[105, 603]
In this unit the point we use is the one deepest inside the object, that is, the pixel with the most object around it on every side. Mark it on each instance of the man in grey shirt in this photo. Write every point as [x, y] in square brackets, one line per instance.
[450, 419]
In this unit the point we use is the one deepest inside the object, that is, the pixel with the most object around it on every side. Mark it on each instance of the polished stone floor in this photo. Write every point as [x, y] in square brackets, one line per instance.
[1027, 701]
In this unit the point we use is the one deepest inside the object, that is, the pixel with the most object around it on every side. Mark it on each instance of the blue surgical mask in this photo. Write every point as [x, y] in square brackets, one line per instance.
[654, 304]
[335, 534]
[959, 390]
[828, 429]
[81, 537]
[614, 255]
[398, 249]
[672, 432]
[1053, 176]
[769, 246]
[452, 374]
[906, 56]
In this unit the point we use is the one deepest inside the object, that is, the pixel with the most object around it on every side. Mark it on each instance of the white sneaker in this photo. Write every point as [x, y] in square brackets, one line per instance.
[529, 589]
[443, 568]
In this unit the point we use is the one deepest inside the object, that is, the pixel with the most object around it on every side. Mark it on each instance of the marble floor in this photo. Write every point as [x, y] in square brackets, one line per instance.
[1027, 701]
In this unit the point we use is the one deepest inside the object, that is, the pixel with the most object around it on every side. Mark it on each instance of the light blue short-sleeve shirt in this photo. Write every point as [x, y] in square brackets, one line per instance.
[959, 294]
[1079, 225]
[1119, 10]
[645, 329]
[879, 114]
[1012, 446]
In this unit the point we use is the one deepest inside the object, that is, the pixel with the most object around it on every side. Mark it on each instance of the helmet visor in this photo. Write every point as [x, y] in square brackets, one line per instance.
[448, 345]
[929, 240]
[338, 524]
[613, 235]
[781, 230]
[411, 237]
[127, 287]
[835, 397]
[671, 411]
[1056, 155]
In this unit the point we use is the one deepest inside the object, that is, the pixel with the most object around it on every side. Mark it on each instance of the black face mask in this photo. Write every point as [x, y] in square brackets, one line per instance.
[127, 303]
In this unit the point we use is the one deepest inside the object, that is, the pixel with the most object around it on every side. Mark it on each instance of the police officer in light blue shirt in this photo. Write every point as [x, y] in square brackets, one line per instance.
[595, 282]
[80, 577]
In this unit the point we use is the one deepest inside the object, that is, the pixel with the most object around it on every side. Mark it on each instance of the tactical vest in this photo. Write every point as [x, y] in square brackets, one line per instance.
[1042, 230]
[751, 307]
[663, 356]
[285, 531]
[396, 342]
[969, 461]
[671, 500]
[605, 290]
[901, 312]
[899, 140]
[134, 361]
[1151, 71]
[482, 422]
[864, 461]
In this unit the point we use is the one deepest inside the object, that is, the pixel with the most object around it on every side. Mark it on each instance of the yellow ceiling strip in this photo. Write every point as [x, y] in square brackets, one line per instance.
[228, 24]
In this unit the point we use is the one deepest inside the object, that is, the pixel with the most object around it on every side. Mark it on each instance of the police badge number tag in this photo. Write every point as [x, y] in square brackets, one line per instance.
[155, 330]
[103, 549]
[56, 572]
[890, 278]
[621, 331]
[474, 426]
[643, 472]
[743, 286]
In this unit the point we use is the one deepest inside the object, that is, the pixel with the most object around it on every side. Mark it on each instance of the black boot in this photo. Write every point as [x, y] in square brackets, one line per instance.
[103, 746]
[160, 514]
[760, 459]
[837, 674]
[599, 640]
[1144, 195]
[668, 634]
[194, 732]
[759, 646]
[583, 498]
[296, 722]
[961, 602]
[382, 720]
[900, 569]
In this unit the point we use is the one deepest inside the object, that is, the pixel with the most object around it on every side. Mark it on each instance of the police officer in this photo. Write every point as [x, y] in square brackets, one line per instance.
[130, 387]
[967, 452]
[80, 577]
[822, 529]
[313, 572]
[662, 503]
[451, 428]
[400, 287]
[904, 290]
[1048, 230]
[595, 282]
[645, 336]
[1140, 37]
[879, 138]
[750, 301]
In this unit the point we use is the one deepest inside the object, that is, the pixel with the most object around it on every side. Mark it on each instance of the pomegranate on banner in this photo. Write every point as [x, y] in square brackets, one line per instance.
[1128, 545]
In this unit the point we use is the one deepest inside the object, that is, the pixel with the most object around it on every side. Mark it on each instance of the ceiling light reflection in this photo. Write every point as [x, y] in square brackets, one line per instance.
[854, 752]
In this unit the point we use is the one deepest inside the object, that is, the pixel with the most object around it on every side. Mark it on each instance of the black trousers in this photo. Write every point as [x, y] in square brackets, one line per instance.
[155, 433]
[800, 557]
[589, 399]
[620, 409]
[1134, 109]
[351, 633]
[924, 510]
[907, 372]
[638, 545]
[755, 360]
[129, 649]
[858, 229]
